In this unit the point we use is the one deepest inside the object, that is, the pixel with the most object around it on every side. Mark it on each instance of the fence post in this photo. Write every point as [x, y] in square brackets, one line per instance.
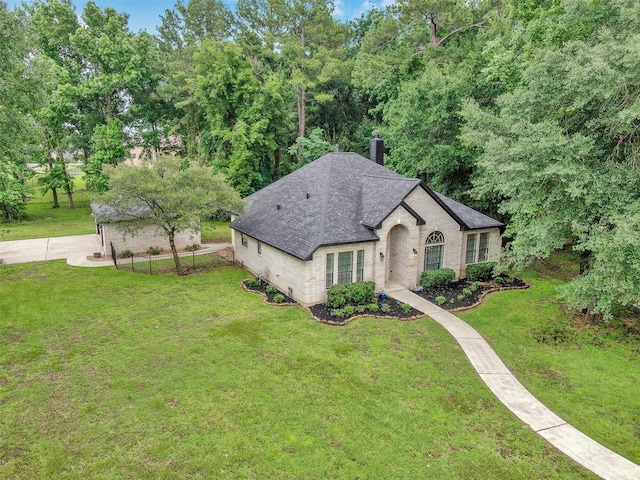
[193, 259]
[133, 269]
[150, 269]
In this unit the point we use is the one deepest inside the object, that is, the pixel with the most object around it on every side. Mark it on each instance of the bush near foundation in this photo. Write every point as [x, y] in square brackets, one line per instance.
[359, 293]
[480, 272]
[442, 277]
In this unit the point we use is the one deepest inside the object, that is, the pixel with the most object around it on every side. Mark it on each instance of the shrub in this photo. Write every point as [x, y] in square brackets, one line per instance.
[499, 280]
[252, 282]
[338, 312]
[406, 308]
[154, 250]
[271, 289]
[373, 307]
[125, 254]
[460, 297]
[192, 248]
[386, 308]
[359, 293]
[482, 272]
[278, 298]
[442, 277]
[466, 292]
[440, 300]
[349, 310]
[361, 308]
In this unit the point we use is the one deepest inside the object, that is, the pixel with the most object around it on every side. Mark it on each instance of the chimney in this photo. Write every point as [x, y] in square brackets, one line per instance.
[376, 150]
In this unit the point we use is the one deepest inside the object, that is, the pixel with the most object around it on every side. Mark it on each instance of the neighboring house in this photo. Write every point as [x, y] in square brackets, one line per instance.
[148, 236]
[344, 218]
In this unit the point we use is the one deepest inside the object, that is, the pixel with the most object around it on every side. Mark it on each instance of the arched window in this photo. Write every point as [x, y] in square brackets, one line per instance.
[434, 251]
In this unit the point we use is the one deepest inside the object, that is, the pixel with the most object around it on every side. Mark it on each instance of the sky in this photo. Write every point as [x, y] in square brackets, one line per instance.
[145, 14]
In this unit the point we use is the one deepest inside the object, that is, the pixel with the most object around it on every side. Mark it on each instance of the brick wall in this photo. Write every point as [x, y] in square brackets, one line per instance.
[146, 237]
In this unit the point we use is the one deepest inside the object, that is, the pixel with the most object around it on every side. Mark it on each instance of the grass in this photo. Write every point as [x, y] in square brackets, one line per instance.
[111, 374]
[589, 377]
[44, 221]
[215, 231]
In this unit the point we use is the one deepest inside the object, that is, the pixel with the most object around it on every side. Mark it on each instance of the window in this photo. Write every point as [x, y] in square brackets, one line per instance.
[477, 251]
[329, 271]
[244, 240]
[471, 248]
[483, 252]
[259, 248]
[360, 266]
[345, 267]
[434, 251]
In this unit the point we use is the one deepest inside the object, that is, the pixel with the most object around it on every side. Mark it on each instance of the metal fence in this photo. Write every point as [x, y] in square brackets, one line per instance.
[159, 264]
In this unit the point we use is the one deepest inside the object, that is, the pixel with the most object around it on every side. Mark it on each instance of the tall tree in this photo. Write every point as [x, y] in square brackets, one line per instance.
[307, 38]
[53, 24]
[563, 151]
[172, 194]
[17, 129]
[246, 117]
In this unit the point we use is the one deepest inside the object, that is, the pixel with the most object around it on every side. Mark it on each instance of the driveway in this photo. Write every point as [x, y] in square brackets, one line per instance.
[75, 249]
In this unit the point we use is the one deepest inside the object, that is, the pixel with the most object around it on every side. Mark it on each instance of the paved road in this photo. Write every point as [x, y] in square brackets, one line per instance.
[573, 443]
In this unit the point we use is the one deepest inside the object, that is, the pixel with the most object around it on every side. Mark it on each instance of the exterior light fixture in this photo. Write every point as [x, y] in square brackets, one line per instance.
[415, 252]
[381, 256]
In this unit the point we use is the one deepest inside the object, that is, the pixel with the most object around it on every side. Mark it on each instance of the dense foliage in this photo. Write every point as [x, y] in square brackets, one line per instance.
[442, 277]
[359, 293]
[526, 110]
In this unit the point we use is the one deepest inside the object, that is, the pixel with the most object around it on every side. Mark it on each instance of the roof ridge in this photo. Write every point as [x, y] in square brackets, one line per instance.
[325, 203]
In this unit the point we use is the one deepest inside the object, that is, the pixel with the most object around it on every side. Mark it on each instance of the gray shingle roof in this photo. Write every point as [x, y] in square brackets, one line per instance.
[338, 198]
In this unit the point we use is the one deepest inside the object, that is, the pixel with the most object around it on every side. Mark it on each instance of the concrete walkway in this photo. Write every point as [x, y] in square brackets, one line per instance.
[573, 443]
[78, 250]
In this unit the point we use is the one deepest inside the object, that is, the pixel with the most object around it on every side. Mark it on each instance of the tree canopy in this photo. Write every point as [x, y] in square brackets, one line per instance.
[173, 194]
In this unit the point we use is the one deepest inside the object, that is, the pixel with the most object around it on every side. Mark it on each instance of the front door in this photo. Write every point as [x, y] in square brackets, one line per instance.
[399, 256]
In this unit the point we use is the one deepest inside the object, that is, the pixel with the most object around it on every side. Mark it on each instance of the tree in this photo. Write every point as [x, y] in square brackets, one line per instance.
[563, 152]
[309, 42]
[172, 194]
[18, 131]
[312, 147]
[246, 117]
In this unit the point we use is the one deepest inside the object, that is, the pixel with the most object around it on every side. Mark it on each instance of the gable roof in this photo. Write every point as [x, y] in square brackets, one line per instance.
[339, 198]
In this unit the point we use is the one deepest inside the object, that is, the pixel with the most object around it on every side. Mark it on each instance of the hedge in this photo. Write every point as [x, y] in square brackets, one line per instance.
[480, 272]
[359, 293]
[437, 278]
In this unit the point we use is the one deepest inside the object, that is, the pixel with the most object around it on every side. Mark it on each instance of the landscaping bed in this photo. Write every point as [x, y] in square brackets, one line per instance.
[463, 294]
[387, 307]
[271, 293]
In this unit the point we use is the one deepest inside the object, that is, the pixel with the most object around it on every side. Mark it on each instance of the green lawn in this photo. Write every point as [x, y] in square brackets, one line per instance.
[589, 377]
[111, 374]
[45, 221]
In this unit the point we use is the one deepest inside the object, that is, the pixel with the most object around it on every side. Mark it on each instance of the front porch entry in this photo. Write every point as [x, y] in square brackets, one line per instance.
[398, 254]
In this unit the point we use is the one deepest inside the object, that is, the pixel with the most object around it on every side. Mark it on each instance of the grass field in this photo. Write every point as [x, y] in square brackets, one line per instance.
[111, 374]
[588, 376]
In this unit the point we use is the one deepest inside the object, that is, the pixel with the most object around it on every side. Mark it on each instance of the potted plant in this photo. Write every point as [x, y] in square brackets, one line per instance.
[382, 295]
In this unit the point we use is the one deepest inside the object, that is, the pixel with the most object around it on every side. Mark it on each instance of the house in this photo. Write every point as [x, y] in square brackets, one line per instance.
[108, 228]
[345, 218]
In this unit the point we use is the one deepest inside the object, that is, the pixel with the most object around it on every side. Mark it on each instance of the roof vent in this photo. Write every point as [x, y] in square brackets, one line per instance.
[278, 207]
[308, 196]
[376, 150]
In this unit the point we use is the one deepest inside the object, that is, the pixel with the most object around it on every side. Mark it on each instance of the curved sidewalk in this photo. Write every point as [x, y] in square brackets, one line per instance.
[573, 443]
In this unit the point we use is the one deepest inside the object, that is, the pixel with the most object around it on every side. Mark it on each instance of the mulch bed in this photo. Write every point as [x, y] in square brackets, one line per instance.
[456, 300]
[261, 287]
[323, 313]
